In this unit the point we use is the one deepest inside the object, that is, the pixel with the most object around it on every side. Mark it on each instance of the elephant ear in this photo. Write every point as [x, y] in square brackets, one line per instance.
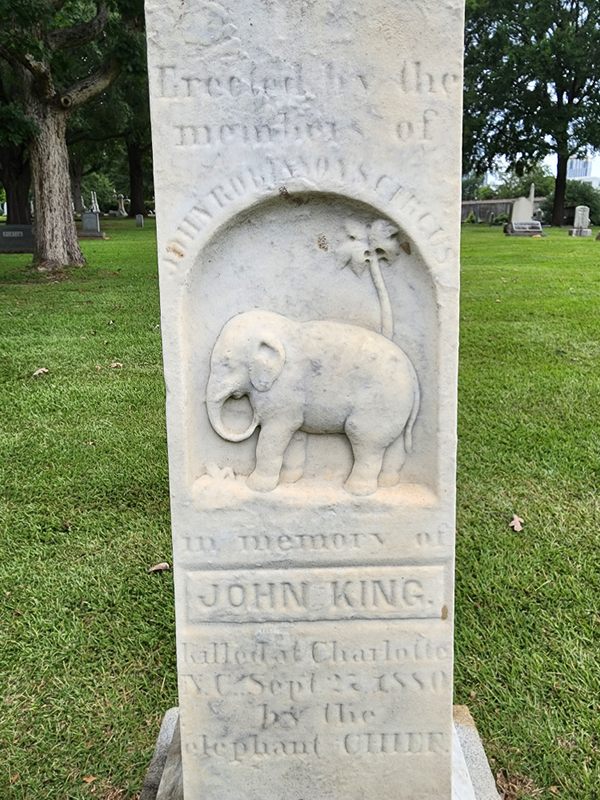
[267, 364]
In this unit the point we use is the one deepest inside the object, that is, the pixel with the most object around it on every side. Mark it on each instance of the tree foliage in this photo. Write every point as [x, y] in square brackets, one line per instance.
[532, 83]
[578, 193]
[518, 185]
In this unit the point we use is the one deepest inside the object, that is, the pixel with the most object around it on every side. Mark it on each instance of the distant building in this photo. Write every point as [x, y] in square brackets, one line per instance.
[586, 170]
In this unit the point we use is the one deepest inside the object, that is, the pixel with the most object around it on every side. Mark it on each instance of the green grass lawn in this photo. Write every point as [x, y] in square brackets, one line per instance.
[87, 662]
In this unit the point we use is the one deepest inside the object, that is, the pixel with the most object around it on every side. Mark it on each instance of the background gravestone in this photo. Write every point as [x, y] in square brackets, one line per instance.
[309, 294]
[16, 239]
[581, 225]
[90, 226]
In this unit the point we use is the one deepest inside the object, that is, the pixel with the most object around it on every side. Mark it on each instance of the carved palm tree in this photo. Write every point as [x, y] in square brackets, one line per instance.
[370, 245]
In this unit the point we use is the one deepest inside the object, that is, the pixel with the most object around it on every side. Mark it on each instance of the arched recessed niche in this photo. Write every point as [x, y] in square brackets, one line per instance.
[289, 255]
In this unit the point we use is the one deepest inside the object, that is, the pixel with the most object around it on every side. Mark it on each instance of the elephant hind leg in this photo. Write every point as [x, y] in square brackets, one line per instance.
[393, 461]
[294, 458]
[367, 466]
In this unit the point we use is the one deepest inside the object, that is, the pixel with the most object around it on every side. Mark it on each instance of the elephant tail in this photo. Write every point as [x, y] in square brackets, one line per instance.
[414, 412]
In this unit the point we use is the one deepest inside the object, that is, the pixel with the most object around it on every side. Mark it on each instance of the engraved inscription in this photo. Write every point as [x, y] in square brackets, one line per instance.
[304, 685]
[285, 129]
[439, 538]
[306, 696]
[294, 89]
[223, 652]
[407, 743]
[276, 171]
[256, 747]
[416, 78]
[369, 593]
[295, 542]
[408, 130]
[175, 83]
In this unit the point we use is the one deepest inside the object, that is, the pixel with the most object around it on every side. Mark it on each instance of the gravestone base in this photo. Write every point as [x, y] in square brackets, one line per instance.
[532, 228]
[472, 776]
[580, 232]
[91, 235]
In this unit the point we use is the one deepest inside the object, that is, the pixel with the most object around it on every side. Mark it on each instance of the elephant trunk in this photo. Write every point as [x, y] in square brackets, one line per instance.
[215, 415]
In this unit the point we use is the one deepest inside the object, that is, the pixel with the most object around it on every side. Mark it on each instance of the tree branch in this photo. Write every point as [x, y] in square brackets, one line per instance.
[82, 91]
[82, 33]
[39, 70]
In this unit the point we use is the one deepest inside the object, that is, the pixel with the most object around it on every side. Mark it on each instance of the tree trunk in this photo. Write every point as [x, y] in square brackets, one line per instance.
[16, 179]
[55, 235]
[135, 157]
[76, 173]
[17, 199]
[558, 210]
[387, 317]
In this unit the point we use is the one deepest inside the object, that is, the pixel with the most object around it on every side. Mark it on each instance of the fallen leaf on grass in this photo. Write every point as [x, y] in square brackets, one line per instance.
[15, 778]
[516, 523]
[116, 365]
[39, 372]
[162, 567]
[89, 778]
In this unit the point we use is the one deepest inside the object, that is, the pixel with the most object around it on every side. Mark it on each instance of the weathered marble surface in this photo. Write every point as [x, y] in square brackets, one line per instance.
[471, 775]
[307, 161]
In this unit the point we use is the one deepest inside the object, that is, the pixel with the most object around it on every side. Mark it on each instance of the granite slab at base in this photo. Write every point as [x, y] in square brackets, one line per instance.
[580, 232]
[166, 736]
[91, 235]
[472, 777]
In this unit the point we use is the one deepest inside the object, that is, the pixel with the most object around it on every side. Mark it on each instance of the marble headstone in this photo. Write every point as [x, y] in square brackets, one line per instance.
[307, 174]
[522, 210]
[16, 239]
[95, 207]
[121, 210]
[581, 225]
[90, 222]
[90, 226]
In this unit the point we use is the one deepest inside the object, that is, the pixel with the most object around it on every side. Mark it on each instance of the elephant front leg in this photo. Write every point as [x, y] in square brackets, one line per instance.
[272, 443]
[294, 458]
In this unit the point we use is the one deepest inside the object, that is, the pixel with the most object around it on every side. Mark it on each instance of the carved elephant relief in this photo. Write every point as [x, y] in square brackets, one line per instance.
[318, 377]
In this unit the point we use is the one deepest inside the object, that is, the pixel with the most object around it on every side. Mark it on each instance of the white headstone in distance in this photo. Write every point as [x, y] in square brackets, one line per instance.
[522, 210]
[311, 409]
[139, 220]
[581, 225]
[582, 217]
[121, 211]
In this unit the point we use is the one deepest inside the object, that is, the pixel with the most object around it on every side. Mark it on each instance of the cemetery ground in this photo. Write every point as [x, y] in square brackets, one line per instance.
[87, 659]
